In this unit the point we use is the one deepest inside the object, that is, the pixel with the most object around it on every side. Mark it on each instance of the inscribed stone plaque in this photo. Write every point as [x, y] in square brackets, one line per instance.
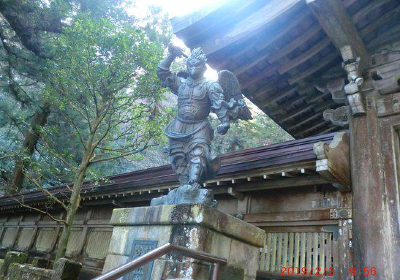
[140, 248]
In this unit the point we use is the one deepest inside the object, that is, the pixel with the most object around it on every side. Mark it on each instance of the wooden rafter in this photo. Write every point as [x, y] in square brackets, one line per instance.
[304, 56]
[380, 21]
[311, 32]
[367, 9]
[278, 96]
[309, 118]
[313, 68]
[261, 43]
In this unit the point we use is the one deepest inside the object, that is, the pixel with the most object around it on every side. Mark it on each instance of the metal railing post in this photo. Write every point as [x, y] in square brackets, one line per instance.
[215, 275]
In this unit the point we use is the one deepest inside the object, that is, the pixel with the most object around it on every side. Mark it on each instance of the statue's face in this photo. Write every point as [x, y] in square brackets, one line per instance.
[196, 68]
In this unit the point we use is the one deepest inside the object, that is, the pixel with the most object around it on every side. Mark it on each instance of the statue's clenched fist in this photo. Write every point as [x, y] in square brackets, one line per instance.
[223, 128]
[175, 50]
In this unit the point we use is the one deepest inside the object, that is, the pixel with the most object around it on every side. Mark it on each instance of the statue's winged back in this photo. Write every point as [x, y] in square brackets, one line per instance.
[231, 88]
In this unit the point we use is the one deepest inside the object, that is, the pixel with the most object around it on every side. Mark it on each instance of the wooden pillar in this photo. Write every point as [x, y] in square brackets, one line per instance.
[375, 165]
[371, 229]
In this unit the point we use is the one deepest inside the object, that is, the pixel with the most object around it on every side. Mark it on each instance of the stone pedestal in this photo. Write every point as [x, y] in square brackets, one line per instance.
[140, 230]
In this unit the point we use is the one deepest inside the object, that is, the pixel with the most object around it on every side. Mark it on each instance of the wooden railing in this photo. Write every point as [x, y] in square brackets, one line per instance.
[158, 252]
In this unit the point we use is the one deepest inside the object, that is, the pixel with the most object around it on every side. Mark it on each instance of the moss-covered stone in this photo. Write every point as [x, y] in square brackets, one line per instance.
[12, 257]
[27, 272]
[40, 262]
[66, 270]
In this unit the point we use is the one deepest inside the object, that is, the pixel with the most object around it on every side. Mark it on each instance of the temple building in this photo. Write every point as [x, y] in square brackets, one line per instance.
[326, 71]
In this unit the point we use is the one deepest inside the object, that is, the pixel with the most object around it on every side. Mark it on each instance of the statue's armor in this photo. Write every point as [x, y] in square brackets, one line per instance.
[193, 101]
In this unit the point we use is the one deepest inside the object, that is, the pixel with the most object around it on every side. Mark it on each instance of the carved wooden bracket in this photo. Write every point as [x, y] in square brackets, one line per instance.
[338, 116]
[352, 89]
[334, 161]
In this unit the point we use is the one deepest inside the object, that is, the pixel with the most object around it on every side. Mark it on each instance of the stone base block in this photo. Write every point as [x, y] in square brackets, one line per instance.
[199, 227]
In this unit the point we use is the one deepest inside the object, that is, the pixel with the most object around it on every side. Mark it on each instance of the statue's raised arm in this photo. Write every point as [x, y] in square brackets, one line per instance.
[168, 78]
[190, 133]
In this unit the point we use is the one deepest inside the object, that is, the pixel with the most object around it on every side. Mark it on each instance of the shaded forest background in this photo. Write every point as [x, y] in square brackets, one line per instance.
[41, 132]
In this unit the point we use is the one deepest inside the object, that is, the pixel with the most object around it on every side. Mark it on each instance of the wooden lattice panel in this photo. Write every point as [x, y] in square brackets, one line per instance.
[74, 244]
[45, 239]
[9, 237]
[25, 238]
[298, 250]
[98, 242]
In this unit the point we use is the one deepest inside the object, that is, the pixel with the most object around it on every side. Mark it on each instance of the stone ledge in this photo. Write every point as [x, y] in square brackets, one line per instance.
[190, 214]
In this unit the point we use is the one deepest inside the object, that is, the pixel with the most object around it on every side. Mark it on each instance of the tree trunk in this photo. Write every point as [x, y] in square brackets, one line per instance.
[32, 137]
[75, 198]
[71, 212]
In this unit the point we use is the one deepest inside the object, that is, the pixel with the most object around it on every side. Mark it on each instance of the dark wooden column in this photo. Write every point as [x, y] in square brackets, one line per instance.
[374, 161]
[374, 237]
[371, 229]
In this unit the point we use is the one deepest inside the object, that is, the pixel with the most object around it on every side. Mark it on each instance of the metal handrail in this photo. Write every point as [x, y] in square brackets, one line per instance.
[158, 252]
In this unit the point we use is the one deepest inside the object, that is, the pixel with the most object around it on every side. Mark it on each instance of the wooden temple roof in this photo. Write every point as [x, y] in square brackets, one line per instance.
[281, 50]
[288, 164]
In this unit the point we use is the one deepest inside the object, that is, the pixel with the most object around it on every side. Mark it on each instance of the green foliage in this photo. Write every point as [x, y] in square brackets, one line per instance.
[260, 131]
[85, 59]
[103, 86]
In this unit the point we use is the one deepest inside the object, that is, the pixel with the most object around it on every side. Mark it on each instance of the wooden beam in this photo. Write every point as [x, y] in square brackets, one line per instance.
[233, 192]
[310, 215]
[281, 183]
[339, 27]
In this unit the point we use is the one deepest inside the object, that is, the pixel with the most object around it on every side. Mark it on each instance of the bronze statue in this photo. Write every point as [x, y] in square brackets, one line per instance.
[190, 133]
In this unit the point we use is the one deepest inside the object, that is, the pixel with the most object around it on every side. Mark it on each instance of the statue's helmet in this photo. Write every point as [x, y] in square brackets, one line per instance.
[196, 62]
